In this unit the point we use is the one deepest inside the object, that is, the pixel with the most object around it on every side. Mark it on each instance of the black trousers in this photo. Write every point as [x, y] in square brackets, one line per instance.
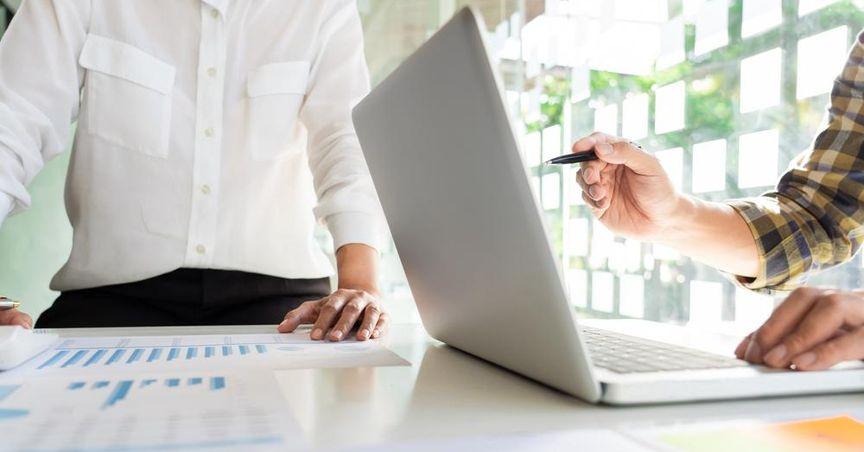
[184, 297]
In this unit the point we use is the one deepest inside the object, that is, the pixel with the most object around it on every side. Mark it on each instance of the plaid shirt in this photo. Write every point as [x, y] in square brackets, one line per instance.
[815, 217]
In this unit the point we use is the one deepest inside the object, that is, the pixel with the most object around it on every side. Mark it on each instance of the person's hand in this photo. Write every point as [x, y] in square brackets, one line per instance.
[15, 317]
[813, 329]
[336, 315]
[627, 188]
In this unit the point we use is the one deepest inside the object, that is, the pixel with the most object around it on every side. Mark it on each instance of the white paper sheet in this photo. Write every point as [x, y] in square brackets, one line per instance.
[147, 412]
[202, 352]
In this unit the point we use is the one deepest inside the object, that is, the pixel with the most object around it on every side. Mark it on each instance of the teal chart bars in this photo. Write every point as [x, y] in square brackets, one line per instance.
[117, 391]
[99, 355]
[150, 411]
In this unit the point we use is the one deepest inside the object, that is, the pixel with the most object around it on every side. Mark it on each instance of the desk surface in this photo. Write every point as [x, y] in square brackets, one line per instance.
[446, 393]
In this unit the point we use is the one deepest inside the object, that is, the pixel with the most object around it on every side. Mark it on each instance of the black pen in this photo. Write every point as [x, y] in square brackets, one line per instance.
[569, 159]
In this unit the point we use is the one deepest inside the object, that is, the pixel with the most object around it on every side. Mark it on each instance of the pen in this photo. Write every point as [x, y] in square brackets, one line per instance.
[7, 304]
[569, 159]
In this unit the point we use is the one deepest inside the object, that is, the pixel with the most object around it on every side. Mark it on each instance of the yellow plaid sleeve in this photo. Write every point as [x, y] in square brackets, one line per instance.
[813, 219]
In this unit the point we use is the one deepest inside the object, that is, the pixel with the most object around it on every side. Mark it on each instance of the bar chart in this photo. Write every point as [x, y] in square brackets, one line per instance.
[119, 390]
[122, 356]
[116, 354]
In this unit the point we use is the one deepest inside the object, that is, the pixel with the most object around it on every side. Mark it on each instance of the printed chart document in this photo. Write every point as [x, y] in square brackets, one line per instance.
[237, 411]
[71, 356]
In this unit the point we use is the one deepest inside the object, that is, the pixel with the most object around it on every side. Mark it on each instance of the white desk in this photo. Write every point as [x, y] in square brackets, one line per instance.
[446, 393]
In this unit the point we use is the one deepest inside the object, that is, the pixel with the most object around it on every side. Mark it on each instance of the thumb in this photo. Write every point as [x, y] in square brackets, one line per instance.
[633, 157]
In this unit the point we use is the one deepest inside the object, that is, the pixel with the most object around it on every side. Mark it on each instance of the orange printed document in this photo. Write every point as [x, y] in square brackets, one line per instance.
[836, 434]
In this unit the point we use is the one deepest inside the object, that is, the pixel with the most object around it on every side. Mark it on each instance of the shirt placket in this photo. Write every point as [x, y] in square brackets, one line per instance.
[207, 160]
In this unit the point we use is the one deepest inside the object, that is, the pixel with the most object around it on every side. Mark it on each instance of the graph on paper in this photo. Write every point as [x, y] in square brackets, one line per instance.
[163, 353]
[150, 412]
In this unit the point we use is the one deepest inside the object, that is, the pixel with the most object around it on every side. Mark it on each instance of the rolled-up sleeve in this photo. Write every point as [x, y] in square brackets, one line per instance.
[813, 219]
[347, 202]
[40, 83]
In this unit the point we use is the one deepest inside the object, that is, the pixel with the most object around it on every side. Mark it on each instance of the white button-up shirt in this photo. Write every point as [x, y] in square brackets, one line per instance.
[211, 133]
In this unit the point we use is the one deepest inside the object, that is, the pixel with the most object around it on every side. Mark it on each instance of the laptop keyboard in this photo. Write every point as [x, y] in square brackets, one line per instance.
[628, 354]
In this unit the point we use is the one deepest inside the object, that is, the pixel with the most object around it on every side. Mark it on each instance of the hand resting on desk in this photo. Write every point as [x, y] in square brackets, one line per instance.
[813, 329]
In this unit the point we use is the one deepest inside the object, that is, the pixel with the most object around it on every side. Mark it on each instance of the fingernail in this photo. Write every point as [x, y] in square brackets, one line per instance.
[317, 333]
[284, 322]
[337, 334]
[375, 333]
[753, 353]
[364, 334]
[586, 174]
[592, 192]
[603, 149]
[776, 355]
[805, 360]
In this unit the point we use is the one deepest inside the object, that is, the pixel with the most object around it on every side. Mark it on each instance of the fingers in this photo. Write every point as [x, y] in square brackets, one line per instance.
[351, 312]
[828, 315]
[370, 320]
[783, 320]
[305, 313]
[13, 317]
[328, 313]
[742, 347]
[844, 348]
[624, 153]
[382, 327]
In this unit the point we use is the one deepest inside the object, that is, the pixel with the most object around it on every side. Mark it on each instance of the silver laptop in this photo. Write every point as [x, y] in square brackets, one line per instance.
[471, 237]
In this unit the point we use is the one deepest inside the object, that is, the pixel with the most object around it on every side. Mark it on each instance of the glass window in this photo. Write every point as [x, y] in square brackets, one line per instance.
[757, 158]
[551, 142]
[635, 121]
[808, 6]
[669, 108]
[709, 166]
[706, 303]
[712, 26]
[551, 191]
[532, 148]
[632, 296]
[760, 16]
[577, 285]
[603, 292]
[606, 119]
[760, 80]
[820, 60]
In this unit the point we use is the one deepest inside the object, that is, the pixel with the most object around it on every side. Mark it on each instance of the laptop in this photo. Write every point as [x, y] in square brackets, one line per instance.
[472, 240]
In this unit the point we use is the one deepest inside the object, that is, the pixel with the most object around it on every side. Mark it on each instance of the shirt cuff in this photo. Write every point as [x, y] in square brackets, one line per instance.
[355, 227]
[6, 205]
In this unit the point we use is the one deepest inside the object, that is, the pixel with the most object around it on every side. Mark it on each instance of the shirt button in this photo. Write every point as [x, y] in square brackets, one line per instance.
[211, 72]
[209, 132]
[205, 189]
[200, 249]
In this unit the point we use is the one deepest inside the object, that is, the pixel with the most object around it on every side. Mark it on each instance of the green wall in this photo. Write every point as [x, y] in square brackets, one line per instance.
[36, 242]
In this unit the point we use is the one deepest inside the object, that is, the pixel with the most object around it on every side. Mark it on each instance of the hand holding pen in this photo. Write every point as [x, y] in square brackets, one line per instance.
[10, 315]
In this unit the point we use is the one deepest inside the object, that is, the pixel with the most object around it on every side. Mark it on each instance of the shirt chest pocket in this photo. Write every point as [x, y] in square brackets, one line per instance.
[127, 96]
[275, 93]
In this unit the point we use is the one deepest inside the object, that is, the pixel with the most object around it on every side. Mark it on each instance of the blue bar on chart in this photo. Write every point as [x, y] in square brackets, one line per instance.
[119, 393]
[135, 355]
[217, 383]
[96, 357]
[244, 349]
[154, 355]
[173, 354]
[226, 350]
[191, 352]
[172, 382]
[261, 348]
[209, 351]
[147, 382]
[53, 360]
[194, 381]
[115, 356]
[100, 384]
[75, 358]
[76, 385]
